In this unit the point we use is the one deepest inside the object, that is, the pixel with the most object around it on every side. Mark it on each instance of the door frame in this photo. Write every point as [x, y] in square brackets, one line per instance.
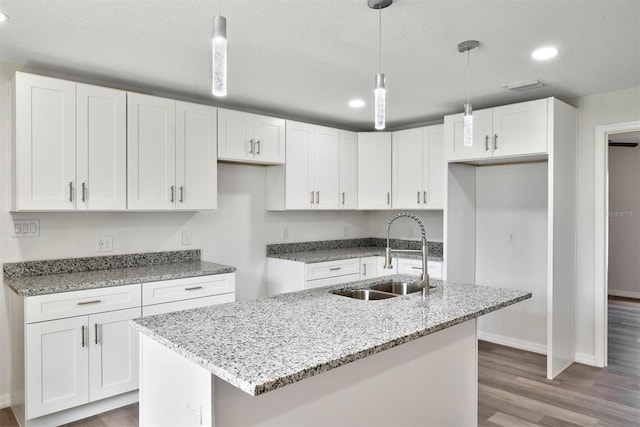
[601, 238]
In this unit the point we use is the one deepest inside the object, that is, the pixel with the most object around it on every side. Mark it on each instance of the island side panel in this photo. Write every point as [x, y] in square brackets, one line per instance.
[173, 390]
[429, 381]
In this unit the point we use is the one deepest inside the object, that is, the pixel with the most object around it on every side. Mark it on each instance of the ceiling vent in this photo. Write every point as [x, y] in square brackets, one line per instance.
[524, 85]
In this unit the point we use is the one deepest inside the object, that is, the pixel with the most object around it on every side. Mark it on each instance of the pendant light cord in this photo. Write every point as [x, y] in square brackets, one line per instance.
[219, 7]
[468, 76]
[380, 33]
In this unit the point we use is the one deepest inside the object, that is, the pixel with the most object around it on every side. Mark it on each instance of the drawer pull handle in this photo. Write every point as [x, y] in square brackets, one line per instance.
[193, 288]
[95, 301]
[335, 268]
[95, 325]
[416, 268]
[82, 330]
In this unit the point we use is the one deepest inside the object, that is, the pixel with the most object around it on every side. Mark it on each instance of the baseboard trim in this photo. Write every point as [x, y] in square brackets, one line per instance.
[624, 294]
[513, 342]
[5, 400]
[585, 359]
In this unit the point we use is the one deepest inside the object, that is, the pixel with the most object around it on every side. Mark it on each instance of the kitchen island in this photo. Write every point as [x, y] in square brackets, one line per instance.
[316, 358]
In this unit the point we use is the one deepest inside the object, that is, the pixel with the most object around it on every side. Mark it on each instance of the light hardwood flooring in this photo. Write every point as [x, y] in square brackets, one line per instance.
[513, 389]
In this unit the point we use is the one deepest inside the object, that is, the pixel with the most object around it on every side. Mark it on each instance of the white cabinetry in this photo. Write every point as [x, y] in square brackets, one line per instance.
[79, 348]
[250, 138]
[171, 154]
[369, 267]
[414, 267]
[69, 146]
[418, 168]
[289, 276]
[348, 170]
[374, 170]
[507, 131]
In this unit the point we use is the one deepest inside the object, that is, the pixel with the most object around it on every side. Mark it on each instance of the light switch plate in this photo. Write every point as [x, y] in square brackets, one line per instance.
[26, 227]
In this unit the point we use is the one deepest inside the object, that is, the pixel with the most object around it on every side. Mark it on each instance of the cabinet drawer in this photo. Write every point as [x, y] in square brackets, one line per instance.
[414, 266]
[78, 303]
[310, 284]
[169, 307]
[188, 288]
[322, 270]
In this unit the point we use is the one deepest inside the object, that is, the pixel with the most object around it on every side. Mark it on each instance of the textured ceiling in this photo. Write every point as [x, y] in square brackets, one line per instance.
[305, 59]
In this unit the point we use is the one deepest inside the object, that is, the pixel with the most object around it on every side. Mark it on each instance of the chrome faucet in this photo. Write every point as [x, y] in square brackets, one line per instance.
[424, 277]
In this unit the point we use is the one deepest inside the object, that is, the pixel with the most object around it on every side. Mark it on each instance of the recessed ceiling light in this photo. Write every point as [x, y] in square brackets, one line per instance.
[544, 53]
[3, 17]
[356, 103]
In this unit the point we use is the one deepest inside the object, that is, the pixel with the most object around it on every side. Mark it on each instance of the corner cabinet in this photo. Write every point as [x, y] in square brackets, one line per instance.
[69, 145]
[500, 132]
[172, 155]
[374, 170]
[250, 138]
[418, 168]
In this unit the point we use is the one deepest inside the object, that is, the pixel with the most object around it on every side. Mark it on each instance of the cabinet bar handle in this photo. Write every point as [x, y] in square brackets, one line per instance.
[335, 268]
[343, 197]
[418, 197]
[70, 191]
[181, 188]
[84, 191]
[258, 147]
[317, 197]
[251, 145]
[82, 330]
[172, 191]
[95, 326]
[486, 143]
[95, 301]
[495, 141]
[364, 269]
[312, 197]
[388, 198]
[193, 288]
[424, 198]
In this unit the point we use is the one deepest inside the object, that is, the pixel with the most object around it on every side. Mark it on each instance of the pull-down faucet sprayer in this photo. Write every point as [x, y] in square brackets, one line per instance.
[424, 277]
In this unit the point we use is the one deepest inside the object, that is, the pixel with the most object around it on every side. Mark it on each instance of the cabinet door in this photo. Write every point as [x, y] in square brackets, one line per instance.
[298, 173]
[113, 353]
[56, 365]
[326, 167]
[151, 151]
[369, 267]
[387, 271]
[520, 129]
[45, 142]
[482, 136]
[101, 148]
[407, 157]
[269, 133]
[433, 167]
[196, 157]
[235, 134]
[348, 170]
[374, 170]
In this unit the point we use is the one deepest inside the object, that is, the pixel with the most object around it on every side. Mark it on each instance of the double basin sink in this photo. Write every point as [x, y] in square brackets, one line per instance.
[381, 291]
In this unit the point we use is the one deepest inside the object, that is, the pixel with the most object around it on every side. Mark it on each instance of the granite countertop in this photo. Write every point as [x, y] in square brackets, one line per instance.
[321, 255]
[74, 274]
[264, 344]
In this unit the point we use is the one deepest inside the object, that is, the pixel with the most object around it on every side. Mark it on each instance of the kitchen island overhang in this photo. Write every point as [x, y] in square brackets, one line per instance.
[267, 346]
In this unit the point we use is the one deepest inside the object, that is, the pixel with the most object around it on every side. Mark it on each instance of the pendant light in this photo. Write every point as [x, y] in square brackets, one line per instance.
[219, 55]
[380, 81]
[468, 46]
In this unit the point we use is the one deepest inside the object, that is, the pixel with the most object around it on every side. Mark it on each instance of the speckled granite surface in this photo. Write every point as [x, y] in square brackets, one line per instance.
[264, 344]
[331, 250]
[161, 266]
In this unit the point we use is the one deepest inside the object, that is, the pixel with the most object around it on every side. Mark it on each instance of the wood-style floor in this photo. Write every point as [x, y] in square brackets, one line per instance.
[513, 389]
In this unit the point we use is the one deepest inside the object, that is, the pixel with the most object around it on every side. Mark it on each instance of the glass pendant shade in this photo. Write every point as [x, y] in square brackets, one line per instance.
[380, 93]
[468, 126]
[219, 56]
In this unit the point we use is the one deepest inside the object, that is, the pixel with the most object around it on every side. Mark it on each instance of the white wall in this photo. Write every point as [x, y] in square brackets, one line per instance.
[406, 228]
[624, 221]
[601, 109]
[511, 250]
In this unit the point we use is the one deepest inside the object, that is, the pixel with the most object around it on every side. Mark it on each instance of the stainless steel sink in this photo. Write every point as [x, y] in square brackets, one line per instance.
[398, 288]
[364, 294]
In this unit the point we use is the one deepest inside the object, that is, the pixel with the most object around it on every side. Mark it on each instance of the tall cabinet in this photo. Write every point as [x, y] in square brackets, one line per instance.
[374, 170]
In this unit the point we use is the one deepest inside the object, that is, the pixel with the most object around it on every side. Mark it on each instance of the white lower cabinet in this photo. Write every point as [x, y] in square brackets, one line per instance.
[369, 267]
[414, 267]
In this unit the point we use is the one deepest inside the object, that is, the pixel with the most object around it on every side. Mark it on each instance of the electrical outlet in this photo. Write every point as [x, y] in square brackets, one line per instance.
[284, 232]
[26, 228]
[104, 244]
[186, 238]
[511, 238]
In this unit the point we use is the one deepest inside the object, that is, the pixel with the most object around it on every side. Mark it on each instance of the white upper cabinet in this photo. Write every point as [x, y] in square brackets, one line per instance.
[348, 170]
[250, 138]
[374, 170]
[70, 146]
[101, 154]
[312, 168]
[44, 144]
[171, 154]
[507, 131]
[418, 168]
